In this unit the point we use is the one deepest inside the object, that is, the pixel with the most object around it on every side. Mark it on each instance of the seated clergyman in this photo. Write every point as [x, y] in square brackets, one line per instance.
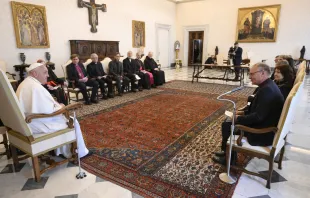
[129, 68]
[96, 72]
[151, 66]
[78, 76]
[263, 112]
[117, 74]
[35, 99]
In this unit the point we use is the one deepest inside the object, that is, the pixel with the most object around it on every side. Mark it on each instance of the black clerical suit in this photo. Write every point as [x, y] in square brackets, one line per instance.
[237, 60]
[94, 71]
[145, 77]
[129, 69]
[264, 111]
[151, 65]
[116, 71]
[73, 75]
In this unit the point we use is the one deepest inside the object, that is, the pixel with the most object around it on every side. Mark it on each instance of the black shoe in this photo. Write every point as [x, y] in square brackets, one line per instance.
[220, 153]
[134, 90]
[104, 97]
[87, 103]
[120, 94]
[110, 96]
[94, 101]
[88, 154]
[154, 86]
[140, 89]
[219, 160]
[222, 160]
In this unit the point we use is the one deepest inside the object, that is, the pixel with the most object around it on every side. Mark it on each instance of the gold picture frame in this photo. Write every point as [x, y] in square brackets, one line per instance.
[30, 25]
[138, 34]
[258, 24]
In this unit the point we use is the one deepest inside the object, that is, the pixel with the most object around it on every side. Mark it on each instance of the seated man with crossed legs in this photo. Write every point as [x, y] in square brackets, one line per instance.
[96, 72]
[78, 75]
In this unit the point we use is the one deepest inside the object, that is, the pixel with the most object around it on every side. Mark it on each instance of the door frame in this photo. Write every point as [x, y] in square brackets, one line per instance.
[159, 26]
[192, 28]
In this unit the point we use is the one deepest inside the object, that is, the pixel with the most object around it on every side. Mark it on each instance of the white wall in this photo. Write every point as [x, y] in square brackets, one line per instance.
[221, 16]
[66, 22]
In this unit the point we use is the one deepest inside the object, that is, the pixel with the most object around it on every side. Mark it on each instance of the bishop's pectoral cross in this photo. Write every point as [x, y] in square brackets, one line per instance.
[92, 12]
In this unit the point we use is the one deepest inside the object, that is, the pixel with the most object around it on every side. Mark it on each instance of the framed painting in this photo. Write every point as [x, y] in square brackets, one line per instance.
[138, 34]
[258, 24]
[30, 25]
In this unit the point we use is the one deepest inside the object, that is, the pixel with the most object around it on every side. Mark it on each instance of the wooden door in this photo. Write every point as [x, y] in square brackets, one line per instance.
[193, 35]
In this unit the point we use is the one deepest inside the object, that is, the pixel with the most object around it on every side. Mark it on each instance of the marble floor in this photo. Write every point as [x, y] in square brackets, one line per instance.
[293, 181]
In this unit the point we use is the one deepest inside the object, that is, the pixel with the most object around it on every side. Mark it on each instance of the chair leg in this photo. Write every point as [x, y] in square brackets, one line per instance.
[77, 96]
[36, 168]
[281, 157]
[74, 154]
[270, 173]
[6, 146]
[14, 156]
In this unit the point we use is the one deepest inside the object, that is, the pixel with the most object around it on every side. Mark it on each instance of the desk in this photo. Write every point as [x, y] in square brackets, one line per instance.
[197, 71]
[21, 69]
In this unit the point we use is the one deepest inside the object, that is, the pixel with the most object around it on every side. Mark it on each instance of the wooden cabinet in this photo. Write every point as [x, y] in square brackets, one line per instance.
[84, 48]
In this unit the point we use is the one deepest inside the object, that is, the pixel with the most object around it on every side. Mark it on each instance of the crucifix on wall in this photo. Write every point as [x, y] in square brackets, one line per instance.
[92, 12]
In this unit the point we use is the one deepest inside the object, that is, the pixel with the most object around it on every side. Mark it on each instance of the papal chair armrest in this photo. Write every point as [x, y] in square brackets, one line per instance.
[65, 110]
[257, 131]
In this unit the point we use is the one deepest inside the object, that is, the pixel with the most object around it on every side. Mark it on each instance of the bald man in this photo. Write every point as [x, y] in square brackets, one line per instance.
[151, 66]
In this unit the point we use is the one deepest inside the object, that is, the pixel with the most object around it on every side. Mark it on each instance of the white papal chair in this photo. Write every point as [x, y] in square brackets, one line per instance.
[20, 135]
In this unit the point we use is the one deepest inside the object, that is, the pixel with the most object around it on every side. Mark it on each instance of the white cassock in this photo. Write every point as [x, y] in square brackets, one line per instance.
[34, 99]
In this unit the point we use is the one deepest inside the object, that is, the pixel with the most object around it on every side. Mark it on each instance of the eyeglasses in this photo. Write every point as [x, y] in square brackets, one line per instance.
[251, 74]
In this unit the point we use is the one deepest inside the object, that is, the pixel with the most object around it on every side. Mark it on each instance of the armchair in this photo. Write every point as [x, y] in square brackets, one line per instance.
[20, 135]
[268, 153]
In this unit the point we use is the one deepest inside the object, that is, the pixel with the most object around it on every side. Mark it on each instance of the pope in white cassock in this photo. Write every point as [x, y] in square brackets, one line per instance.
[35, 99]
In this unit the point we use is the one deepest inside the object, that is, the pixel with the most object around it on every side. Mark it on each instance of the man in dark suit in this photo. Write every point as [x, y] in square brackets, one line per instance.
[237, 59]
[151, 66]
[147, 79]
[78, 75]
[263, 112]
[129, 68]
[117, 74]
[96, 72]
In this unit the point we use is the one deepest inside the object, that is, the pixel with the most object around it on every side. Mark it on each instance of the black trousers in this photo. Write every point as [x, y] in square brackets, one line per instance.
[60, 95]
[91, 83]
[226, 127]
[159, 77]
[121, 86]
[102, 81]
[145, 80]
[132, 79]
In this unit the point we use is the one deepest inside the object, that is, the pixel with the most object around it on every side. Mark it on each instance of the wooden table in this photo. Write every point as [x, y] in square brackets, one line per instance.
[198, 70]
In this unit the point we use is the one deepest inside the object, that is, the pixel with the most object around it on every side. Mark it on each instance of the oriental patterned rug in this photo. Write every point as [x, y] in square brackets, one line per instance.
[161, 144]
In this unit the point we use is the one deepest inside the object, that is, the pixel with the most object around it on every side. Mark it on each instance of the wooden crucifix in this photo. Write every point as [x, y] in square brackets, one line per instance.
[92, 12]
